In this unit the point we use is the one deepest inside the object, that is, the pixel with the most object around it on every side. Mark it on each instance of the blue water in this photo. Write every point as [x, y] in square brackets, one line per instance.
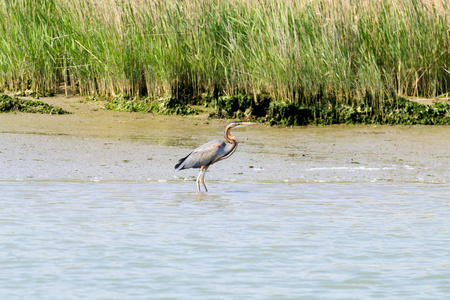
[114, 240]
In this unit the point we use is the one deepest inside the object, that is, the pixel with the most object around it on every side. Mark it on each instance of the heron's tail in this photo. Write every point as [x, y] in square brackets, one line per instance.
[180, 165]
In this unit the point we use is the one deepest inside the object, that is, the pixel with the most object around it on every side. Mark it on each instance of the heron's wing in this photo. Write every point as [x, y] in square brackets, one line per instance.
[203, 155]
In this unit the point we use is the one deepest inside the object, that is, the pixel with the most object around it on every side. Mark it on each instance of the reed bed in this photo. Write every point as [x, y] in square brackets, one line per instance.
[299, 52]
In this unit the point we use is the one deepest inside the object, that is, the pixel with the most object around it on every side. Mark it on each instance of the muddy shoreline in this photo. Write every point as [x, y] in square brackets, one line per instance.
[92, 144]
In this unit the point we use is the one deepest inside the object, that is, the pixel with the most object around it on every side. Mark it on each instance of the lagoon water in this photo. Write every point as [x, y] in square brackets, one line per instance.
[251, 240]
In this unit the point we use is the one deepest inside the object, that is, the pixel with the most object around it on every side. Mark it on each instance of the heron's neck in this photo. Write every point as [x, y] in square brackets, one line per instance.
[228, 137]
[230, 148]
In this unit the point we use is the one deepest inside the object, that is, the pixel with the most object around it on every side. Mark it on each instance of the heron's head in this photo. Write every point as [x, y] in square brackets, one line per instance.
[236, 124]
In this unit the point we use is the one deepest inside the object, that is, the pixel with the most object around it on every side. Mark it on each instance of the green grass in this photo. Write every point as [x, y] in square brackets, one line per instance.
[303, 53]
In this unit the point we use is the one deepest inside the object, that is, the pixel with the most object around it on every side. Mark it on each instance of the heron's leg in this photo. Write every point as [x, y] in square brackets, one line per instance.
[203, 177]
[198, 180]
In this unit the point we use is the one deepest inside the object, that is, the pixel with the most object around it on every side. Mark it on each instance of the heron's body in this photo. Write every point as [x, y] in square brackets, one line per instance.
[210, 153]
[206, 154]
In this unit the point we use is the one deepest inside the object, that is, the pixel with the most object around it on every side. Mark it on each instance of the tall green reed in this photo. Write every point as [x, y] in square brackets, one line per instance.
[301, 52]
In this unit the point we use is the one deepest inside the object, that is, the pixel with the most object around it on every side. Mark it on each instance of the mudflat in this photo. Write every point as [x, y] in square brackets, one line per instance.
[93, 144]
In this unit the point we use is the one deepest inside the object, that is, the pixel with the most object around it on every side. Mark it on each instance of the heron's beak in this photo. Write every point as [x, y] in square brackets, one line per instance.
[248, 123]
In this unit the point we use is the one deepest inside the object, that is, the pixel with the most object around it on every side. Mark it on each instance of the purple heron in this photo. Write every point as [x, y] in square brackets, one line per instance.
[210, 153]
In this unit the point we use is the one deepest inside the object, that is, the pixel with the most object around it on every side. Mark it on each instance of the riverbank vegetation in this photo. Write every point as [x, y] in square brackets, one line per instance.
[10, 104]
[284, 61]
[162, 106]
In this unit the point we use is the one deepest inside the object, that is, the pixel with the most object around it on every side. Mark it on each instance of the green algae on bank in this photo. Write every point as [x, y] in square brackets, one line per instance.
[10, 104]
[397, 111]
[163, 106]
[266, 109]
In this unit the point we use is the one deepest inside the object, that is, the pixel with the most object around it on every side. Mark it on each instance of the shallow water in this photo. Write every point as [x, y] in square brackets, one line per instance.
[122, 240]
